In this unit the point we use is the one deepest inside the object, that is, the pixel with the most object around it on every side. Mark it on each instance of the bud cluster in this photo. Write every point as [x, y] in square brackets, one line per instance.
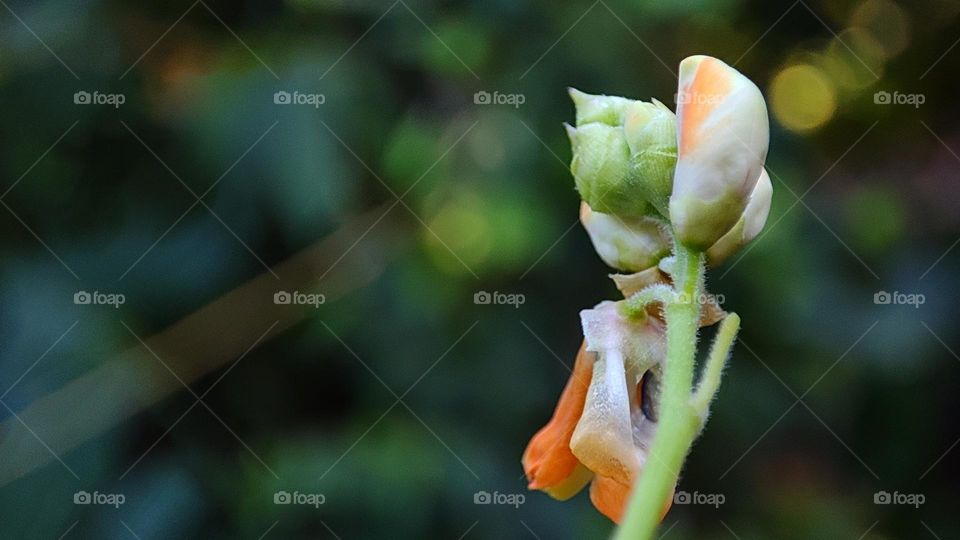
[647, 175]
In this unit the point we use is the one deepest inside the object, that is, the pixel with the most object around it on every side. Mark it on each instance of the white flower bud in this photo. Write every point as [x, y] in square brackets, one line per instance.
[723, 134]
[748, 226]
[627, 244]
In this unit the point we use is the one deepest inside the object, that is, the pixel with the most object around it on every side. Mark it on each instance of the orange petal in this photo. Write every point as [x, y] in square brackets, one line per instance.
[548, 460]
[610, 497]
[704, 93]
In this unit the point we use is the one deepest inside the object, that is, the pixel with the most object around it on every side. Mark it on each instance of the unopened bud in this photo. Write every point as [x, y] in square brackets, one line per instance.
[603, 109]
[723, 133]
[602, 172]
[651, 131]
[624, 153]
[627, 244]
[748, 226]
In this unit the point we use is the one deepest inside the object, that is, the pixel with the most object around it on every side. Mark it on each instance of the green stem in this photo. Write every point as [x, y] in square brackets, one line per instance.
[679, 422]
[710, 377]
[637, 304]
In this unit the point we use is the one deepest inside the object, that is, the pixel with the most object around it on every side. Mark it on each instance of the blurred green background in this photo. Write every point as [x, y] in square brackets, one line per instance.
[399, 398]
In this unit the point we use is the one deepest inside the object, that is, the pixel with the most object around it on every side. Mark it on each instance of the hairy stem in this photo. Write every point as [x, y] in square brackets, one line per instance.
[637, 304]
[679, 422]
[710, 377]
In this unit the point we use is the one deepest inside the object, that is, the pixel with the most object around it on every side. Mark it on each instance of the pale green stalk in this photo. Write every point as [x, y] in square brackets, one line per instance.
[637, 303]
[679, 422]
[710, 377]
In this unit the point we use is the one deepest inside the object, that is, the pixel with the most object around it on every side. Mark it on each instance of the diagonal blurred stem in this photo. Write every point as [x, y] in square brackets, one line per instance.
[679, 422]
[710, 376]
[198, 344]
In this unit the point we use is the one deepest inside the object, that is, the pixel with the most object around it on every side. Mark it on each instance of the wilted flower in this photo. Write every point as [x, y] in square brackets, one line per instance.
[627, 244]
[623, 154]
[605, 420]
[723, 133]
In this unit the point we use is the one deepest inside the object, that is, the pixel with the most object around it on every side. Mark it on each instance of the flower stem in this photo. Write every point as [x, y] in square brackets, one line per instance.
[710, 376]
[679, 422]
[636, 305]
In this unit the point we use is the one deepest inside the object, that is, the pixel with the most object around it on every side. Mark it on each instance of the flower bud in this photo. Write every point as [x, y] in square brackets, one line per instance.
[624, 152]
[602, 172]
[627, 244]
[603, 109]
[722, 138]
[651, 132]
[748, 226]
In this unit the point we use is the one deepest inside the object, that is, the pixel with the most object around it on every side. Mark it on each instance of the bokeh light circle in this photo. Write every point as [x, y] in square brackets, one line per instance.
[803, 98]
[885, 24]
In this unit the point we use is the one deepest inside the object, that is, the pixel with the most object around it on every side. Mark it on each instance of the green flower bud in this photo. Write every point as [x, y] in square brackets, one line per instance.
[651, 132]
[603, 109]
[602, 171]
[624, 154]
[627, 244]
